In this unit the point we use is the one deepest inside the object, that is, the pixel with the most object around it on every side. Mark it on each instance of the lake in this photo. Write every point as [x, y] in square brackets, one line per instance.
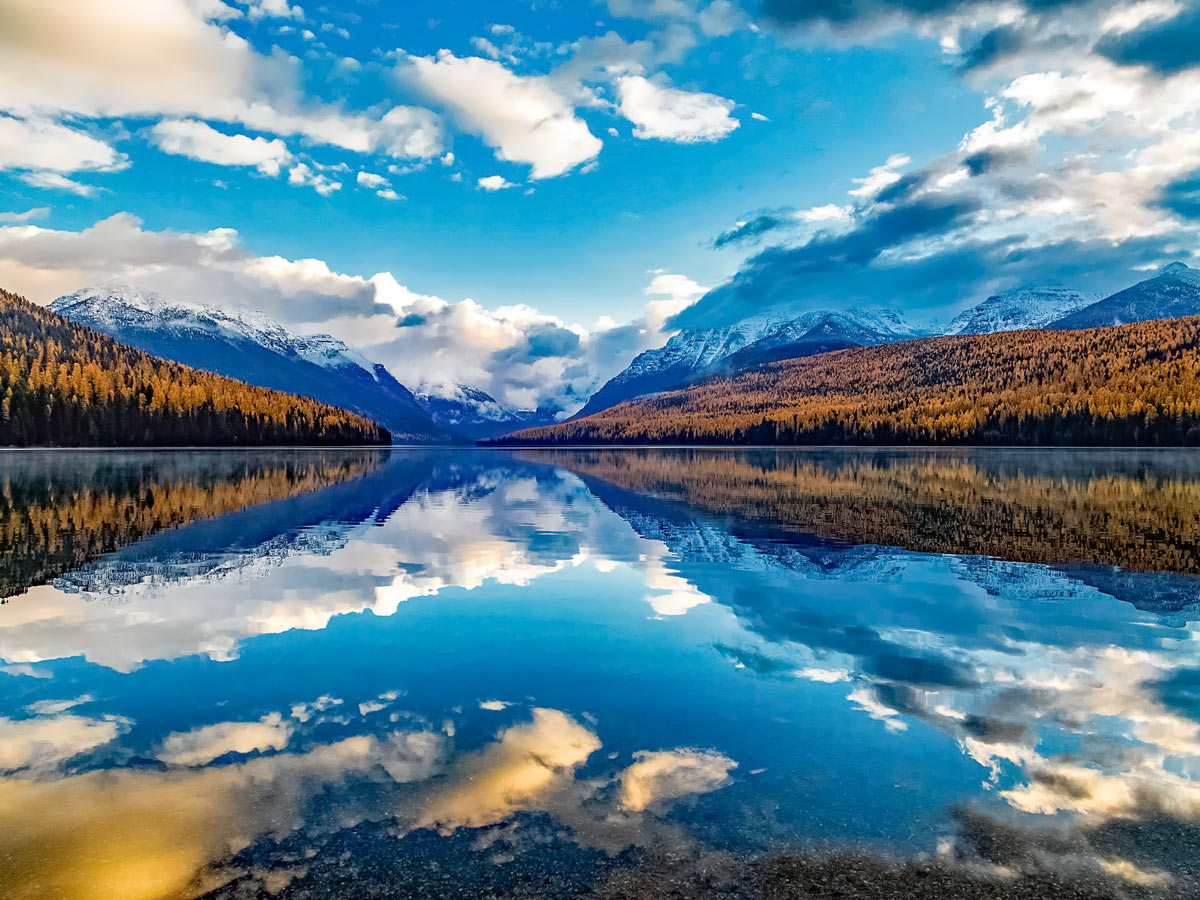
[600, 673]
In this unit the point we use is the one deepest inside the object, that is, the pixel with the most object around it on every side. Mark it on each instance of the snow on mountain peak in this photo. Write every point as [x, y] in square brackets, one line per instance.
[117, 304]
[1029, 307]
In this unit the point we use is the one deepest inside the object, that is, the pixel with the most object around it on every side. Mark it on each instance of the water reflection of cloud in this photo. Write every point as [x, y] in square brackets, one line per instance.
[122, 834]
[512, 774]
[203, 745]
[44, 743]
[661, 775]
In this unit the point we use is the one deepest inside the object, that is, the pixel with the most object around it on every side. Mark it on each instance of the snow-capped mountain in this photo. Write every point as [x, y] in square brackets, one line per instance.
[477, 414]
[250, 346]
[1031, 307]
[695, 353]
[1173, 291]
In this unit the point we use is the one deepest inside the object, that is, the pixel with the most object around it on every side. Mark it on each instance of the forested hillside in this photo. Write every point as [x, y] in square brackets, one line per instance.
[1132, 385]
[65, 385]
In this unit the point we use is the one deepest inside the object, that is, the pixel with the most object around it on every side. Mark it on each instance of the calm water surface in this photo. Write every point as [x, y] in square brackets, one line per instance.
[599, 673]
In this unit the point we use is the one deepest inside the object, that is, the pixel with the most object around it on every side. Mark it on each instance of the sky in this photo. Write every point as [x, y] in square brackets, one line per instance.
[521, 196]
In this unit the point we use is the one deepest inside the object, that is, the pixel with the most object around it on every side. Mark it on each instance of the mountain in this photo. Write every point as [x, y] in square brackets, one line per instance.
[1131, 385]
[1173, 292]
[696, 353]
[65, 385]
[1014, 310]
[477, 414]
[249, 346]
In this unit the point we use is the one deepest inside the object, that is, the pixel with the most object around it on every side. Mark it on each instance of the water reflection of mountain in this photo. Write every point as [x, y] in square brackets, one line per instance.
[1137, 511]
[255, 538]
[60, 510]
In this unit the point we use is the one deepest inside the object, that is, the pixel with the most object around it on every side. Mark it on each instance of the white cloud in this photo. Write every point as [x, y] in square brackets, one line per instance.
[830, 212]
[721, 18]
[197, 140]
[526, 119]
[29, 215]
[203, 745]
[275, 9]
[388, 194]
[43, 145]
[303, 174]
[172, 58]
[495, 183]
[681, 292]
[56, 182]
[370, 180]
[881, 176]
[669, 114]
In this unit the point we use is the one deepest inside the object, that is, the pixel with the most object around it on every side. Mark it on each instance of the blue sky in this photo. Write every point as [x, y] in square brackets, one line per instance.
[507, 177]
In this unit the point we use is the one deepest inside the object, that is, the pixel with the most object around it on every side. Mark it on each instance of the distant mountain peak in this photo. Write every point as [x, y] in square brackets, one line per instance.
[1172, 292]
[1020, 308]
[476, 413]
[1178, 271]
[249, 345]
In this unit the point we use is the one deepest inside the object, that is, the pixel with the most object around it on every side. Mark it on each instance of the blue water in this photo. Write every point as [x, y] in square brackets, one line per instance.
[497, 653]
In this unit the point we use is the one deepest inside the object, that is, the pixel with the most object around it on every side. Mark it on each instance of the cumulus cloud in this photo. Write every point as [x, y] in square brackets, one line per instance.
[198, 140]
[172, 58]
[495, 183]
[9, 218]
[525, 118]
[42, 145]
[664, 113]
[303, 174]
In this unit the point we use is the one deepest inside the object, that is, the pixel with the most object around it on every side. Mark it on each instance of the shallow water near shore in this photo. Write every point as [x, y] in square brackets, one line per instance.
[609, 673]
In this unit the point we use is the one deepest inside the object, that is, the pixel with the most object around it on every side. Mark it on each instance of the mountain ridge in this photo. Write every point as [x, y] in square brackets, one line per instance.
[250, 346]
[1135, 384]
[693, 355]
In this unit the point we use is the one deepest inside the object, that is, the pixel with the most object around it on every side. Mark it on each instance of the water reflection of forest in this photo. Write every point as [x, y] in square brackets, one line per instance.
[59, 511]
[1141, 513]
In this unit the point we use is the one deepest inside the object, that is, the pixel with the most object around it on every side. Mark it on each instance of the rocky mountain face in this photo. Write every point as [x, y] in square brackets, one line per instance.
[249, 346]
[696, 353]
[1174, 291]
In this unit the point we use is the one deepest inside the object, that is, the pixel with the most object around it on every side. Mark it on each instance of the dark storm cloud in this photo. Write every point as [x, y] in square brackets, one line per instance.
[848, 13]
[987, 162]
[550, 340]
[845, 272]
[1183, 197]
[760, 224]
[1166, 47]
[775, 275]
